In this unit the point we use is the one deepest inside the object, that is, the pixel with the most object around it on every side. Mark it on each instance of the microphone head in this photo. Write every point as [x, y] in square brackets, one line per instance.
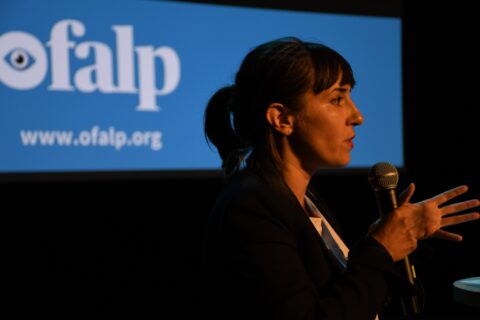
[383, 176]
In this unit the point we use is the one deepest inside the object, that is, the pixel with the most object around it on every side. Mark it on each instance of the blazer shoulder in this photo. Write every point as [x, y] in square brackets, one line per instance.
[254, 195]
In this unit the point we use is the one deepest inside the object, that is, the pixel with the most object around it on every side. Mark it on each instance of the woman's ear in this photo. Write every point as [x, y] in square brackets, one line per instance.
[279, 117]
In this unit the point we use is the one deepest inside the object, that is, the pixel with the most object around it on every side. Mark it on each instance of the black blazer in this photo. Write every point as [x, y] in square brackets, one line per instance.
[264, 259]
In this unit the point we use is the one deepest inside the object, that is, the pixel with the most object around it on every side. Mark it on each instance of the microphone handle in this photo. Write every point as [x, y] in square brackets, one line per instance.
[387, 201]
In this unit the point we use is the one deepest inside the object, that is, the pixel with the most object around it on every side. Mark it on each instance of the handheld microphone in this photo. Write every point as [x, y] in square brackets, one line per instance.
[383, 178]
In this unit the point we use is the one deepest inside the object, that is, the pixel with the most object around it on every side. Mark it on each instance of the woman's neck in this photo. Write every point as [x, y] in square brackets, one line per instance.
[297, 180]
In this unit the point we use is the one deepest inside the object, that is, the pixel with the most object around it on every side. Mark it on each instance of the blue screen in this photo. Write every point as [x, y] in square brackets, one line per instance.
[114, 85]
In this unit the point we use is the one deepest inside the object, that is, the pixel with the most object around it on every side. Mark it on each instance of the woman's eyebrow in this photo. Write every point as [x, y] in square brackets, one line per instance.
[341, 89]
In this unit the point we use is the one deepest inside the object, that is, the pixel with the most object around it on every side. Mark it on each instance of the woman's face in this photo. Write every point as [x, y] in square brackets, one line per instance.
[323, 130]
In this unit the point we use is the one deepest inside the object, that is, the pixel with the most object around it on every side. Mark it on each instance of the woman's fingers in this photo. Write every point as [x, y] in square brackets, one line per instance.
[460, 206]
[406, 194]
[435, 216]
[445, 235]
[449, 194]
[450, 221]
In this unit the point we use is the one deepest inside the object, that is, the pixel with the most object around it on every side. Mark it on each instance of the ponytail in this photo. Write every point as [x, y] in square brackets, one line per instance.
[220, 132]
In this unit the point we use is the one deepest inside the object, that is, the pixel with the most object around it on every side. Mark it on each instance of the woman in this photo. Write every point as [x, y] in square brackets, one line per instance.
[272, 248]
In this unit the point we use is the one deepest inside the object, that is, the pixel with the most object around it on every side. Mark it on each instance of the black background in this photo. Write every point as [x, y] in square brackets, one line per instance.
[120, 245]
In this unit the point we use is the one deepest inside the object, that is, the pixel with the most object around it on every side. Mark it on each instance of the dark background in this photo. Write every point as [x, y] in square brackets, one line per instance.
[130, 243]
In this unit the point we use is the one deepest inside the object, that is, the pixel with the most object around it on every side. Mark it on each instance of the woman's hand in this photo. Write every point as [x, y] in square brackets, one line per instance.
[400, 230]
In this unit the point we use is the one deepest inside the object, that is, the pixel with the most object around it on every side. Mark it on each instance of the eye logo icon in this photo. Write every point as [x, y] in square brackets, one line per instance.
[20, 59]
[23, 60]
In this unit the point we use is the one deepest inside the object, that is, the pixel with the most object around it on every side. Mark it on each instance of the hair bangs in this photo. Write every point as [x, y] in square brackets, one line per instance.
[328, 67]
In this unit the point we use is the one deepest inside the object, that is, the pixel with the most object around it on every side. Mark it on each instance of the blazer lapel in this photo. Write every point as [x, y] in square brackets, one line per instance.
[298, 216]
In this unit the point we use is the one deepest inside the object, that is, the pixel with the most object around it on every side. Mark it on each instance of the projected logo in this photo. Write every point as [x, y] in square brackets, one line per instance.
[24, 64]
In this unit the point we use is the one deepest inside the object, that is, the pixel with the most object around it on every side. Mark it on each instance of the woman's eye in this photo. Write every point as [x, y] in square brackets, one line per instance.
[337, 100]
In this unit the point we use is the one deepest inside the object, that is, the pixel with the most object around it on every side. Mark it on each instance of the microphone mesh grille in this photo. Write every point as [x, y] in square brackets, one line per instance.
[382, 176]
